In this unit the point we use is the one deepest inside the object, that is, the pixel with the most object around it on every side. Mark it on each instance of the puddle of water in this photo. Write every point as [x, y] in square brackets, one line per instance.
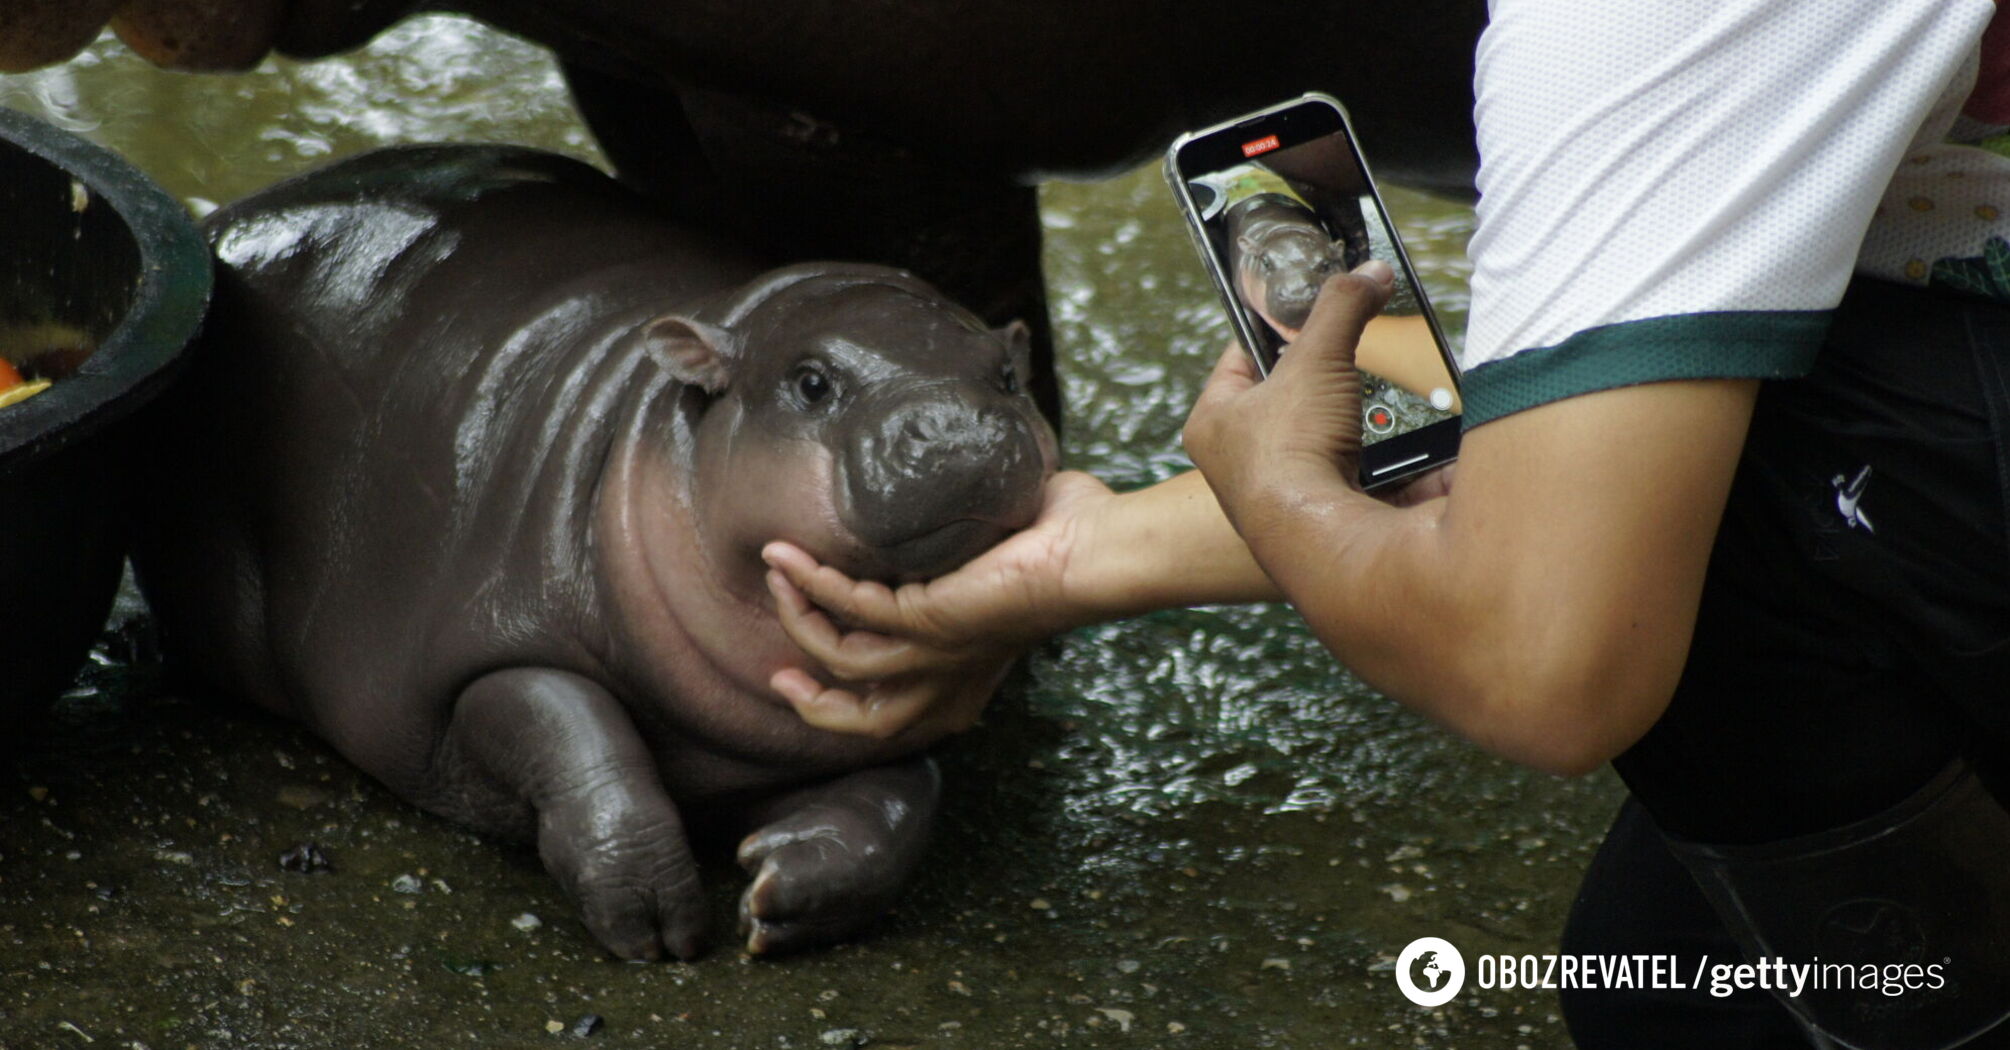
[1188, 829]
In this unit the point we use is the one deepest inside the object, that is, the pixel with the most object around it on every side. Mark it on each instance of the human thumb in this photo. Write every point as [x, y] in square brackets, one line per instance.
[1345, 305]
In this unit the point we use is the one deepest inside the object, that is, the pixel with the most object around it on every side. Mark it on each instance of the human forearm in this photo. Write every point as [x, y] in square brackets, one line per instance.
[1376, 585]
[1165, 546]
[1543, 610]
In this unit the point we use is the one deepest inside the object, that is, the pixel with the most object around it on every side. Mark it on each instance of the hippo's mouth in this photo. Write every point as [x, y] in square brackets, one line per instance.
[938, 550]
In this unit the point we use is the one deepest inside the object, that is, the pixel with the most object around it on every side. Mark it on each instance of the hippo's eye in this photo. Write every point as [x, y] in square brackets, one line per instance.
[1008, 379]
[812, 385]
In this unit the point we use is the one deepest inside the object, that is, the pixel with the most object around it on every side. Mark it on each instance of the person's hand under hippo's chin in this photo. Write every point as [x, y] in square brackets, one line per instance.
[922, 657]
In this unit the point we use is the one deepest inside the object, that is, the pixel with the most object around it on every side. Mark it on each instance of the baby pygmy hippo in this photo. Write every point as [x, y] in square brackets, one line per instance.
[471, 472]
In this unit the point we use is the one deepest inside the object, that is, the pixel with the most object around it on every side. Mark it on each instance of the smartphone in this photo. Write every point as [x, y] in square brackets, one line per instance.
[1277, 201]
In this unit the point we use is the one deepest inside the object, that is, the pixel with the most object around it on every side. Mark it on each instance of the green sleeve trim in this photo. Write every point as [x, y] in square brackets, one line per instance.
[1742, 344]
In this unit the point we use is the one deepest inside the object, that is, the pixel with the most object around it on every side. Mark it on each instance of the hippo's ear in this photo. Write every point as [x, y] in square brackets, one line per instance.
[693, 351]
[1246, 244]
[1019, 342]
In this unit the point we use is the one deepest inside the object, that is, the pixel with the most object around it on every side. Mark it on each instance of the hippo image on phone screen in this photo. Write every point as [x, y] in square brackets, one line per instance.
[471, 472]
[1280, 256]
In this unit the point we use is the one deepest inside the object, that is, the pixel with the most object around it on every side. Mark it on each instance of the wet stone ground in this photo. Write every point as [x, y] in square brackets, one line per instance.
[1191, 829]
[144, 902]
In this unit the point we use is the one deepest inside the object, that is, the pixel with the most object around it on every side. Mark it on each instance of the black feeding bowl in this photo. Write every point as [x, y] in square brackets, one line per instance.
[103, 280]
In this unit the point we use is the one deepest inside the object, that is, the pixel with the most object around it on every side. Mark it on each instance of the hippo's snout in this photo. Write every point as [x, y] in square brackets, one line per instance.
[941, 475]
[1292, 277]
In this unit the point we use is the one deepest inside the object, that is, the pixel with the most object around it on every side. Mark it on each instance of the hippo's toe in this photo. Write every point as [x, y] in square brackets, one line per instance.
[816, 881]
[631, 871]
[803, 896]
[642, 922]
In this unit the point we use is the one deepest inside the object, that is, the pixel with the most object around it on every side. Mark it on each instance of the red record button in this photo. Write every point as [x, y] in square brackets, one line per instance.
[1379, 418]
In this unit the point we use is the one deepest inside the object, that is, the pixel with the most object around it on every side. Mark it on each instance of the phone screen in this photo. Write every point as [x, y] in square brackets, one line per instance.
[1283, 202]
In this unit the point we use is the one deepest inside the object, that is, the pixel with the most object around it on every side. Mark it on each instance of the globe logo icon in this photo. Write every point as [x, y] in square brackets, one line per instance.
[1426, 973]
[1430, 971]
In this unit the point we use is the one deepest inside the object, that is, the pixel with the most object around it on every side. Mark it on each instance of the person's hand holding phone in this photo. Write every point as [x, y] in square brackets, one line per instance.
[1259, 442]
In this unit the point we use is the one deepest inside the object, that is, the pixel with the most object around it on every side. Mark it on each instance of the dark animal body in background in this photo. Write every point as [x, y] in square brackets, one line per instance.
[471, 471]
[912, 134]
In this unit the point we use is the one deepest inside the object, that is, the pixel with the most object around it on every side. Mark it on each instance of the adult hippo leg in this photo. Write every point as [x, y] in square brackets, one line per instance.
[833, 857]
[533, 743]
[795, 187]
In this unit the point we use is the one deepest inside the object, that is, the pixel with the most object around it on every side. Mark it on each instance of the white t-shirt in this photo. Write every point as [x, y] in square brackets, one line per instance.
[1682, 189]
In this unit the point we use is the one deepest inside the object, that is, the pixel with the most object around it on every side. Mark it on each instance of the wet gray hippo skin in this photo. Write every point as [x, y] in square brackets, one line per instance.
[471, 472]
[1280, 256]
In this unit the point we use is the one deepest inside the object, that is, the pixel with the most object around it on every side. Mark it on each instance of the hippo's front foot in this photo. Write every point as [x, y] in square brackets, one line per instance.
[605, 828]
[619, 851]
[834, 857]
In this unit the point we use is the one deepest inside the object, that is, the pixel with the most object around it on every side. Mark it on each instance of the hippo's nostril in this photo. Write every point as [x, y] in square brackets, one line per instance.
[935, 483]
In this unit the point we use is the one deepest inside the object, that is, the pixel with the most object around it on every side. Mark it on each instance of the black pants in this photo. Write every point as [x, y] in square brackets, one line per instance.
[1853, 637]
